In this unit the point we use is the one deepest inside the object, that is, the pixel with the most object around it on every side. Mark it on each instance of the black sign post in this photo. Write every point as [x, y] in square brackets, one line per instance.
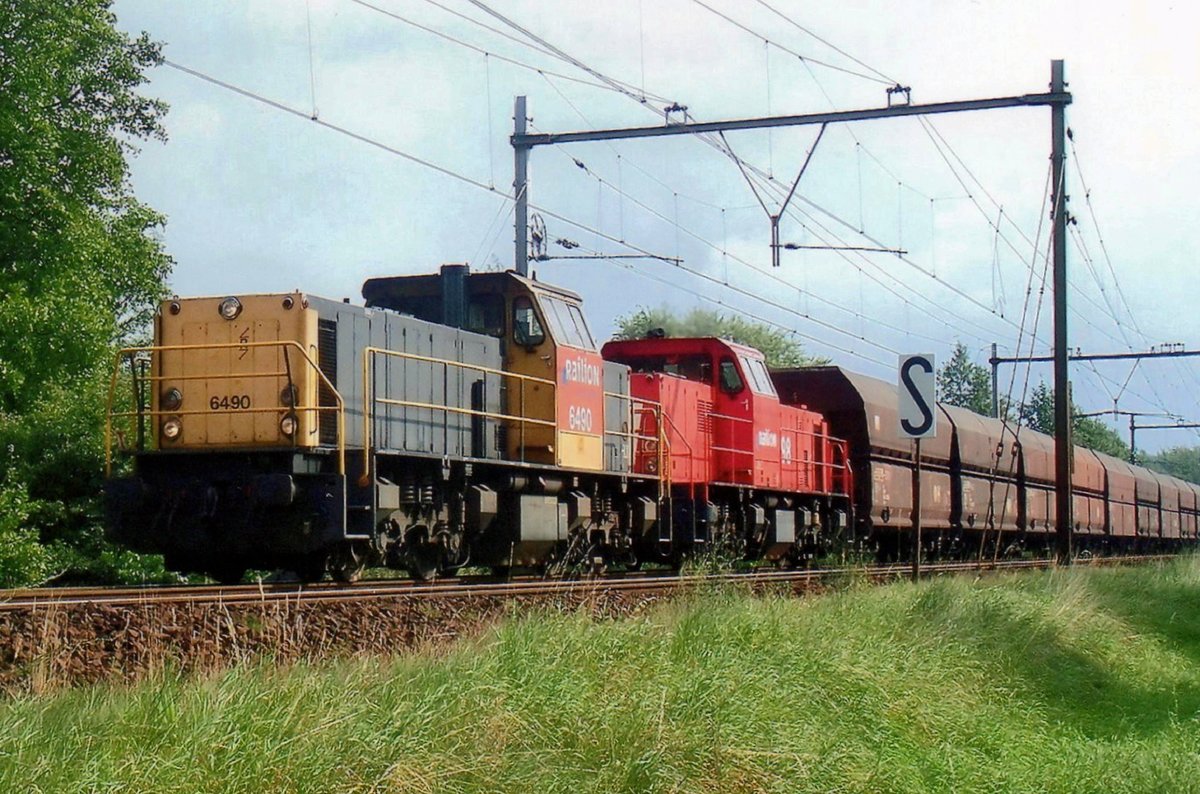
[918, 420]
[916, 572]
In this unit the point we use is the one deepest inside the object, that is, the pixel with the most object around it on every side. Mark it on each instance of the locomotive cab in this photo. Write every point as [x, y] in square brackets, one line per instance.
[555, 402]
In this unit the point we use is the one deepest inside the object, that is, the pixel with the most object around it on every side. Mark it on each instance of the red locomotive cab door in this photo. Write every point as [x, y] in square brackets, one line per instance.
[732, 430]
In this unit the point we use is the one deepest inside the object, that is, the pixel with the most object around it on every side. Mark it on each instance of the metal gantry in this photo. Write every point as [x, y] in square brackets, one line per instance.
[1176, 351]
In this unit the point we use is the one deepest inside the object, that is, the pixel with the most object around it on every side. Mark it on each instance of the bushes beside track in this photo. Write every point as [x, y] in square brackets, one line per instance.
[1059, 681]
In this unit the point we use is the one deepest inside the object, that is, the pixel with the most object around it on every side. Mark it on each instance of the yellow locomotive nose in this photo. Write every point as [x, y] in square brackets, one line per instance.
[236, 371]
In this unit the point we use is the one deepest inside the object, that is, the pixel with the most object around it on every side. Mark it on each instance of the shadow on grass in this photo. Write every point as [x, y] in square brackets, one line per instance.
[1077, 688]
[1157, 605]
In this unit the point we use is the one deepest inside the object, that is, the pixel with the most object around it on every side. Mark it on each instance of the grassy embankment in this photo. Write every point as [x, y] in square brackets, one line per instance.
[1080, 681]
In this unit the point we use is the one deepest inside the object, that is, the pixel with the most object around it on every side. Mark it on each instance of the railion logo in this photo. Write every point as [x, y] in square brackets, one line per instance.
[578, 370]
[767, 438]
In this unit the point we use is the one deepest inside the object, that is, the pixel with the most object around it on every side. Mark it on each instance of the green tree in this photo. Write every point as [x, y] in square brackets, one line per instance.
[964, 383]
[81, 262]
[1181, 462]
[1087, 431]
[779, 347]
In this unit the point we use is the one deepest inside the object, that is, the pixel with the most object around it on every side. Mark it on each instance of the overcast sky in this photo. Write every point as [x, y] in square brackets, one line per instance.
[260, 200]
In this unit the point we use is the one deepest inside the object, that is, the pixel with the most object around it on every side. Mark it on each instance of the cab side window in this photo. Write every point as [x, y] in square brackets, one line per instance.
[485, 314]
[731, 381]
[585, 334]
[527, 331]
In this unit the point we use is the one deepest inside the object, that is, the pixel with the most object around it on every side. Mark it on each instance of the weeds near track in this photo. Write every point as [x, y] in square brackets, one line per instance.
[1082, 680]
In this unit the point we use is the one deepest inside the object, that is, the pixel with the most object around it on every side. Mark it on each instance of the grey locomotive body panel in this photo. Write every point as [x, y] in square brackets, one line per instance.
[420, 405]
[619, 418]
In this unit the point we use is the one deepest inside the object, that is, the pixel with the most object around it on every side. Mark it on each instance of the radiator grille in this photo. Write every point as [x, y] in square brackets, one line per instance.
[704, 416]
[327, 361]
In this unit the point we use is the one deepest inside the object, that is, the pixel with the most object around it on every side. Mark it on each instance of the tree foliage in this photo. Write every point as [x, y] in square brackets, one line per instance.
[962, 382]
[779, 347]
[1181, 462]
[81, 262]
[1087, 431]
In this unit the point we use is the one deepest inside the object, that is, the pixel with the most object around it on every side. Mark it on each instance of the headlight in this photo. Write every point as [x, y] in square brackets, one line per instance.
[172, 399]
[172, 428]
[288, 396]
[230, 308]
[288, 425]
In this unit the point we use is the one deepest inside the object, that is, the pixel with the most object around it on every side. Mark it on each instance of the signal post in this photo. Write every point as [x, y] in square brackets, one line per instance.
[917, 420]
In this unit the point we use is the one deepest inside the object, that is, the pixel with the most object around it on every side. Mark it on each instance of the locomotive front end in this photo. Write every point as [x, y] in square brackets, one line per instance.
[234, 372]
[234, 427]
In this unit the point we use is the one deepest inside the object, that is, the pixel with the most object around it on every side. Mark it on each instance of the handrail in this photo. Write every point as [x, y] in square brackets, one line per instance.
[837, 469]
[633, 407]
[128, 352]
[369, 397]
[669, 423]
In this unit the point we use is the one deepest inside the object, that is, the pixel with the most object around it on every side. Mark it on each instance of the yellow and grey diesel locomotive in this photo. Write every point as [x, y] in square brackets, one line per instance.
[457, 418]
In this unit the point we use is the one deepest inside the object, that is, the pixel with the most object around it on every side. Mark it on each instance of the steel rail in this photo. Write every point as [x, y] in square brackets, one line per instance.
[490, 587]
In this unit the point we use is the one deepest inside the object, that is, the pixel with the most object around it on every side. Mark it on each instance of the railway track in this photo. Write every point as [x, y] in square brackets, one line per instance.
[487, 586]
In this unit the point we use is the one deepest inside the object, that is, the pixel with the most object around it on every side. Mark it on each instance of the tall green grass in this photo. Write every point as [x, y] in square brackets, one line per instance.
[1075, 681]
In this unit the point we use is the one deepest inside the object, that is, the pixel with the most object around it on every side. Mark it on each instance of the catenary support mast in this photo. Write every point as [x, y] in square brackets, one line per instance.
[1064, 453]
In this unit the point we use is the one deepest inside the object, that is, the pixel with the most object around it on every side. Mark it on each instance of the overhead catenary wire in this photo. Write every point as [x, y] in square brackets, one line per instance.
[712, 245]
[830, 45]
[312, 70]
[275, 104]
[771, 184]
[788, 50]
[610, 86]
[490, 187]
[614, 84]
[708, 139]
[622, 88]
[579, 64]
[441, 169]
[721, 302]
[1005, 417]
[935, 137]
[723, 250]
[1087, 193]
[861, 149]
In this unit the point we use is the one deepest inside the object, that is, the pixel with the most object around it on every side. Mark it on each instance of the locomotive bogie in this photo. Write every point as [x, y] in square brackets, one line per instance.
[217, 511]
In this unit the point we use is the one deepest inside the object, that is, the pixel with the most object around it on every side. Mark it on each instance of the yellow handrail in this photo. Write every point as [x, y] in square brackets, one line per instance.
[339, 408]
[369, 397]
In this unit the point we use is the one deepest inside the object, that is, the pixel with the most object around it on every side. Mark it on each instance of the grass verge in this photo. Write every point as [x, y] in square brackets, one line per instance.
[1085, 680]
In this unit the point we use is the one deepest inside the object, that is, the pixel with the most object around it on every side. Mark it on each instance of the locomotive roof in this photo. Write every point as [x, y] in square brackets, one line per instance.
[679, 344]
[379, 289]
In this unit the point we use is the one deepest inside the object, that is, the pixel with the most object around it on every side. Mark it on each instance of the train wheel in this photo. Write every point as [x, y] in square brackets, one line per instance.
[228, 574]
[311, 567]
[424, 560]
[347, 563]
